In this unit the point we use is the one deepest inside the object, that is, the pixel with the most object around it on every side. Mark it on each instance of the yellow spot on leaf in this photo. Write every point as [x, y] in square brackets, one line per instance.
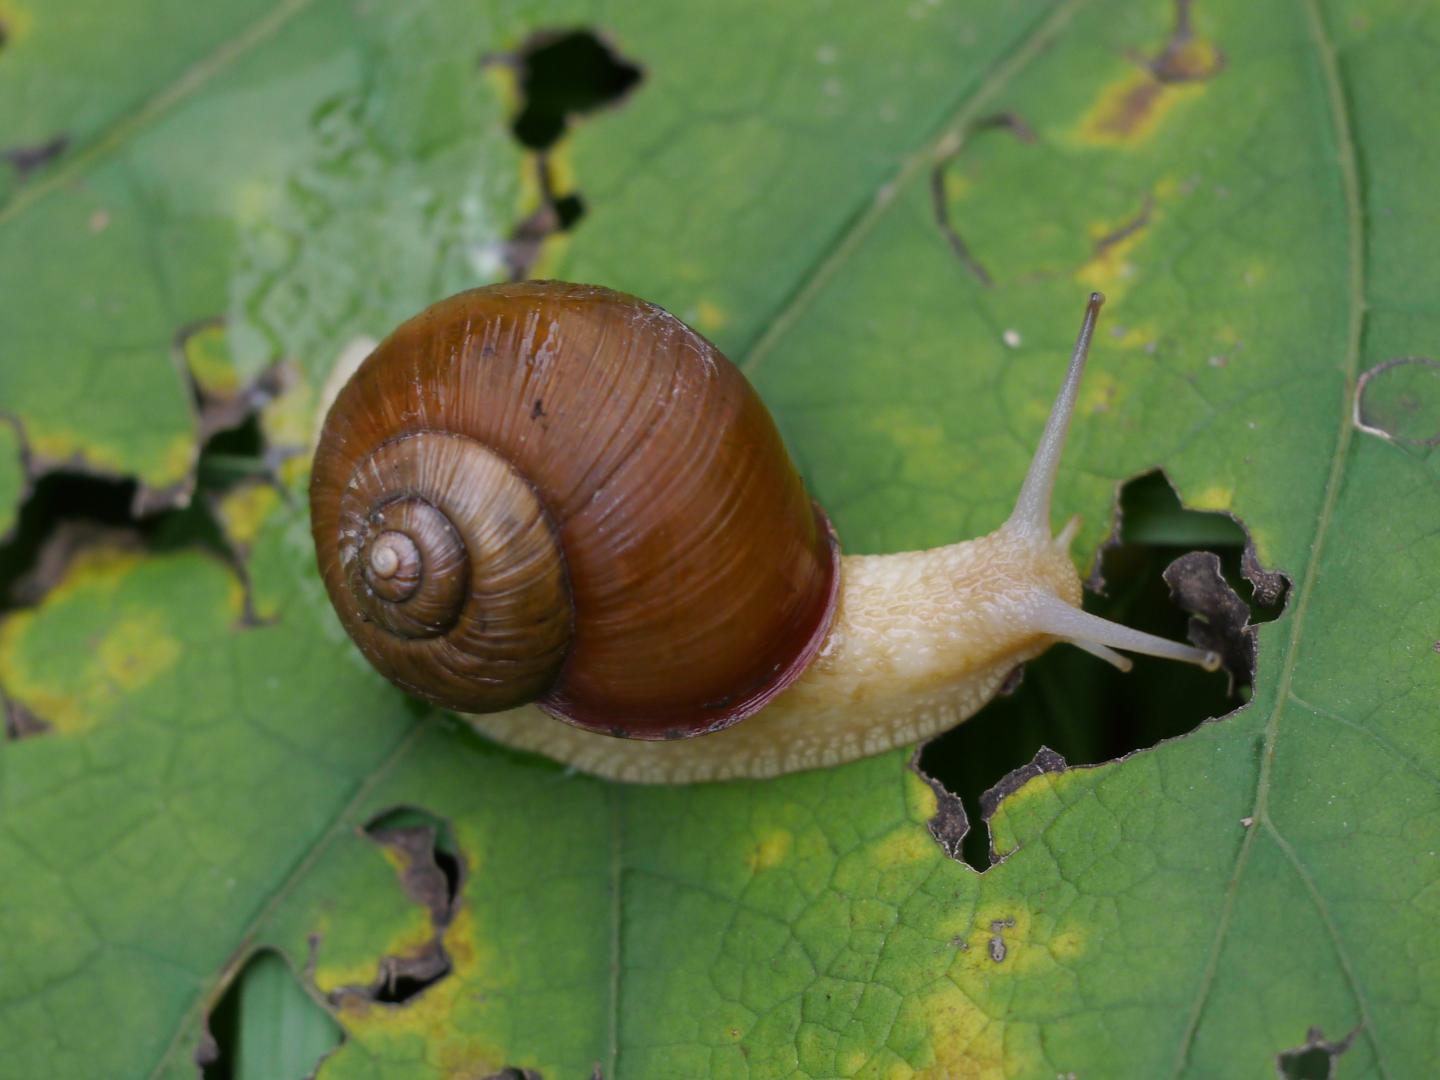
[1167, 188]
[1212, 498]
[709, 318]
[137, 650]
[1195, 59]
[1263, 550]
[965, 1044]
[244, 509]
[1066, 946]
[98, 570]
[134, 649]
[997, 931]
[17, 22]
[1110, 268]
[1042, 787]
[920, 799]
[1130, 110]
[1135, 337]
[288, 423]
[504, 85]
[256, 202]
[114, 645]
[957, 185]
[207, 355]
[178, 458]
[771, 851]
[561, 171]
[906, 430]
[408, 940]
[475, 977]
[62, 445]
[1100, 393]
[904, 845]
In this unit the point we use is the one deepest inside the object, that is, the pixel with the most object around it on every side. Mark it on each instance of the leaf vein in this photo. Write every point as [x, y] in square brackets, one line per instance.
[1346, 159]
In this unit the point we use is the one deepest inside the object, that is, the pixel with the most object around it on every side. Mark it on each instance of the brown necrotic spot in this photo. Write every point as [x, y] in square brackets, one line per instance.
[1129, 109]
[1185, 57]
[1400, 400]
[949, 824]
[997, 948]
[20, 722]
[1219, 618]
[26, 159]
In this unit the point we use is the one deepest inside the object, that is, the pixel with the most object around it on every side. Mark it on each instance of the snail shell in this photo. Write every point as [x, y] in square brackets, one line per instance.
[561, 494]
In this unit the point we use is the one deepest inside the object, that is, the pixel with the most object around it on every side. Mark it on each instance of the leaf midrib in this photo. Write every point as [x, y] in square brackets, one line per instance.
[1342, 133]
[125, 127]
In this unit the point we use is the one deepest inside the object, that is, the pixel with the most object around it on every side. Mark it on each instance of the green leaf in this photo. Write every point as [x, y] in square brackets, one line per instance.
[214, 771]
[281, 1032]
[12, 478]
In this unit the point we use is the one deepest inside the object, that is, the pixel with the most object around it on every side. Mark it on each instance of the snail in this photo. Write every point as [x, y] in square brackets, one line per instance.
[544, 502]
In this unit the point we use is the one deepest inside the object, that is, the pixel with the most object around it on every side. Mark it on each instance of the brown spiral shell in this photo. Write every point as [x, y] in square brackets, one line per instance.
[562, 494]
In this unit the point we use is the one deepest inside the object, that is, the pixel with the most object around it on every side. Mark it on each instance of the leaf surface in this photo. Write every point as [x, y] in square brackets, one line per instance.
[246, 191]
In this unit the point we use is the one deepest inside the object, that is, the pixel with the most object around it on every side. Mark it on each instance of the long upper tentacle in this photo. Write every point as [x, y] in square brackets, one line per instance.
[1031, 515]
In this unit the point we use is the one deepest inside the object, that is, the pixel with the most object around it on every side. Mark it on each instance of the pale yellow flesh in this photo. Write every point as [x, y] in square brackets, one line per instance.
[922, 639]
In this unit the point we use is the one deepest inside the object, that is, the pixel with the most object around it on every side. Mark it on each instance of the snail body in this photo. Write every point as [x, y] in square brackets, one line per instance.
[560, 494]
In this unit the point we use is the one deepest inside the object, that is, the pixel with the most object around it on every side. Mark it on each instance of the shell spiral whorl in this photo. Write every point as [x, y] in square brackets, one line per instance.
[448, 553]
[562, 494]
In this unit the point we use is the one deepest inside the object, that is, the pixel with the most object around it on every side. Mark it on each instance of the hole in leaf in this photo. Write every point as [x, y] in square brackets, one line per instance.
[568, 210]
[1311, 1064]
[267, 1026]
[1315, 1060]
[1084, 710]
[69, 510]
[562, 75]
[64, 513]
[408, 979]
[432, 873]
[565, 74]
